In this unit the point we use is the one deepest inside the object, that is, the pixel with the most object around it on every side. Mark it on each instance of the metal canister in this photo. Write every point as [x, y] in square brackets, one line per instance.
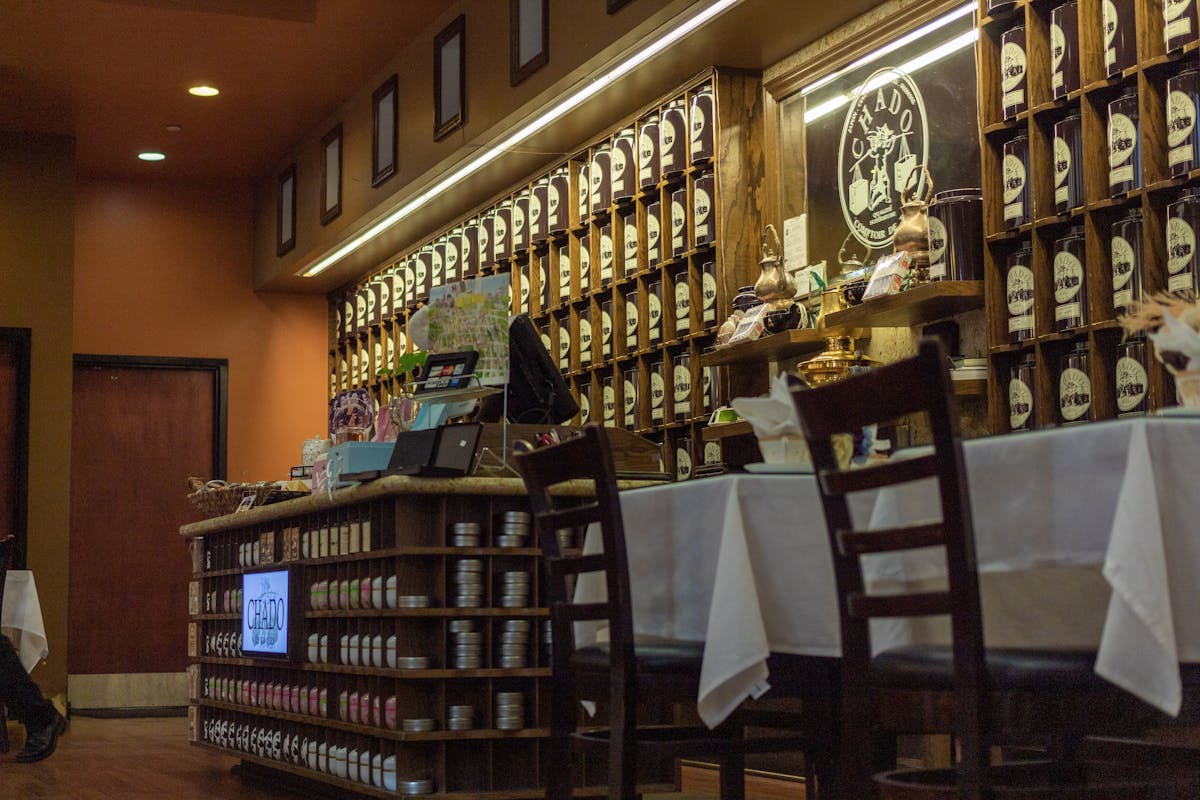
[1183, 107]
[1019, 293]
[631, 320]
[453, 254]
[956, 235]
[1070, 290]
[1013, 71]
[1075, 385]
[700, 125]
[487, 232]
[557, 197]
[658, 390]
[1120, 36]
[543, 281]
[564, 344]
[683, 301]
[683, 458]
[1126, 249]
[1021, 404]
[470, 248]
[654, 310]
[501, 231]
[681, 386]
[423, 264]
[583, 190]
[606, 329]
[1064, 49]
[537, 210]
[653, 233]
[585, 403]
[607, 254]
[629, 235]
[437, 270]
[1068, 163]
[679, 222]
[585, 263]
[1132, 381]
[629, 398]
[1016, 181]
[649, 167]
[1179, 23]
[1124, 149]
[564, 274]
[520, 221]
[623, 167]
[1183, 221]
[585, 338]
[609, 400]
[708, 291]
[599, 178]
[672, 139]
[703, 220]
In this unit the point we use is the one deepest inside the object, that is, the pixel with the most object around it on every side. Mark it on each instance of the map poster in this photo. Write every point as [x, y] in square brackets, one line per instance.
[473, 315]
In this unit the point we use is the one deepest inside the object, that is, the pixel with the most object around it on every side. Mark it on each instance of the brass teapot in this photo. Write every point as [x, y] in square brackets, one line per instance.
[912, 234]
[774, 285]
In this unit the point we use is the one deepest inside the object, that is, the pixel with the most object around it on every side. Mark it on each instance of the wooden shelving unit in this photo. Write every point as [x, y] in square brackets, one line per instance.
[921, 304]
[1155, 189]
[772, 347]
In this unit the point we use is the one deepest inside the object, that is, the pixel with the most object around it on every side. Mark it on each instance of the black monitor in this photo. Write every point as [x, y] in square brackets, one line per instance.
[537, 393]
[271, 613]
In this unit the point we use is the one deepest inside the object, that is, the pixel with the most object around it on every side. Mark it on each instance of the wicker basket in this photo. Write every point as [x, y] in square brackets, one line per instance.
[216, 498]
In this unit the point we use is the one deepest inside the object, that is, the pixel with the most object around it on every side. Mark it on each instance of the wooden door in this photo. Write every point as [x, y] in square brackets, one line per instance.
[14, 436]
[139, 429]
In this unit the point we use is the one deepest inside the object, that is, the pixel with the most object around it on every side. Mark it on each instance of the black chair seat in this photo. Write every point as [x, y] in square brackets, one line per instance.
[650, 657]
[1008, 669]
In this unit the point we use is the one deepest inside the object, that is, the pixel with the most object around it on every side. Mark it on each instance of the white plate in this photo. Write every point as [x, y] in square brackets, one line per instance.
[918, 451]
[779, 469]
[1179, 411]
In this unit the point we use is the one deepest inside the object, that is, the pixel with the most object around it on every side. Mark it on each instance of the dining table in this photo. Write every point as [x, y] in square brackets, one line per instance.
[1087, 536]
[22, 618]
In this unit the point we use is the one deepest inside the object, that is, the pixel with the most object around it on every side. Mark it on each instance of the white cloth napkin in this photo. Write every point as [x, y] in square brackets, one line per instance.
[23, 618]
[773, 415]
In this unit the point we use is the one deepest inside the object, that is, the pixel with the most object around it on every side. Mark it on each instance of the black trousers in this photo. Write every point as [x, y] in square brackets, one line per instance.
[19, 694]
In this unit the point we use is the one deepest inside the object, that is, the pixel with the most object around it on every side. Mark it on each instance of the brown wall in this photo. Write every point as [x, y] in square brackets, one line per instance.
[37, 185]
[164, 270]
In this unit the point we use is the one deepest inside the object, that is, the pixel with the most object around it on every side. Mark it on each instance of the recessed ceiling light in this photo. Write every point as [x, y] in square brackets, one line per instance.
[204, 90]
[151, 155]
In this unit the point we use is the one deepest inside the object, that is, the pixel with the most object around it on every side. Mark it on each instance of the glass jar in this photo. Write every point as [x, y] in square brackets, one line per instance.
[1013, 71]
[700, 143]
[1064, 47]
[1075, 385]
[1183, 220]
[1132, 383]
[1070, 291]
[1016, 184]
[1179, 23]
[1124, 149]
[1019, 293]
[1120, 35]
[1126, 249]
[956, 235]
[1021, 407]
[1183, 106]
[1068, 163]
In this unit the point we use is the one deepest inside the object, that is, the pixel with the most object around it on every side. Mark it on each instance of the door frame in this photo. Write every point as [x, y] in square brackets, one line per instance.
[218, 366]
[22, 339]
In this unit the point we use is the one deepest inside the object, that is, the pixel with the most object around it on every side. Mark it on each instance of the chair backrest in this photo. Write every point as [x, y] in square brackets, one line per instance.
[916, 385]
[588, 458]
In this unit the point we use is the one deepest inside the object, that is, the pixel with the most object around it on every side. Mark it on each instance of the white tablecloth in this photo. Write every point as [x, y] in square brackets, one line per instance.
[22, 621]
[742, 562]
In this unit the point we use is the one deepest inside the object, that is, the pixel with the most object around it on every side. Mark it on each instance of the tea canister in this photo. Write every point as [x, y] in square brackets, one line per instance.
[1000, 6]
[702, 216]
[1068, 163]
[1064, 49]
[1013, 71]
[679, 222]
[543, 281]
[672, 139]
[606, 329]
[1070, 293]
[654, 310]
[584, 191]
[1132, 381]
[609, 399]
[1183, 220]
[524, 288]
[487, 231]
[438, 263]
[501, 231]
[585, 338]
[1019, 294]
[683, 458]
[469, 257]
[1126, 250]
[453, 262]
[709, 389]
[629, 397]
[1179, 23]
[681, 387]
[585, 403]
[631, 320]
[629, 235]
[956, 235]
[653, 233]
[564, 344]
[623, 166]
[1075, 385]
[564, 274]
[708, 290]
[423, 264]
[647, 151]
[607, 254]
[700, 125]
[544, 334]
[537, 211]
[658, 390]
[599, 177]
[683, 301]
[520, 221]
[1015, 167]
[585, 263]
[557, 196]
[1183, 106]
[1124, 149]
[1021, 407]
[1120, 36]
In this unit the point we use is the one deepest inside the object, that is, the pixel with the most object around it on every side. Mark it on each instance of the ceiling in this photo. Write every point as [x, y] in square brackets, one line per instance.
[114, 74]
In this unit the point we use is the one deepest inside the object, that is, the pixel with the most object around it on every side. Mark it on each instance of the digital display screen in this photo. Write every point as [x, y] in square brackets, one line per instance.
[266, 613]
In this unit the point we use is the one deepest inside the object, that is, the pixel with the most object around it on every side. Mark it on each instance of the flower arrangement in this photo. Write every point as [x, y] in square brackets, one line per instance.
[1173, 325]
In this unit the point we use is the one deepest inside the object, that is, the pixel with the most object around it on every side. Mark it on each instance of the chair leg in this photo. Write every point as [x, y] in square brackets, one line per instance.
[733, 776]
[3, 729]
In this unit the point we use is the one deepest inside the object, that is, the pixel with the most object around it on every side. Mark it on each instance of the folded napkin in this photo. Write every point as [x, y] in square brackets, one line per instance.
[776, 424]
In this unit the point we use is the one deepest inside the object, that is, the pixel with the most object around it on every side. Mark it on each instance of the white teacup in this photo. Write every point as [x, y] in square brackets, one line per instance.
[364, 766]
[324, 654]
[314, 647]
[354, 650]
[377, 770]
[390, 650]
[377, 650]
[389, 773]
[377, 592]
[344, 649]
[352, 765]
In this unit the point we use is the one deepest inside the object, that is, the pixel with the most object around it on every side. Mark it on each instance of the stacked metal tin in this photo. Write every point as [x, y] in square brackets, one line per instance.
[468, 644]
[510, 711]
[468, 583]
[514, 644]
[466, 534]
[514, 530]
[514, 589]
[460, 718]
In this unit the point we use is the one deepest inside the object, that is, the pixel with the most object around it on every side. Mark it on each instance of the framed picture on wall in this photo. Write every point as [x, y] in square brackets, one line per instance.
[331, 175]
[449, 78]
[529, 38]
[383, 132]
[285, 228]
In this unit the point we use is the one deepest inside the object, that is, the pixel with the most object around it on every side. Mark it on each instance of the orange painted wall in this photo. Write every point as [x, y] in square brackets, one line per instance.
[165, 270]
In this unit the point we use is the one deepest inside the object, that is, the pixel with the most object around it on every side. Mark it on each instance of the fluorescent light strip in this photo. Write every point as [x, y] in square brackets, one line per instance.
[950, 47]
[893, 46]
[490, 153]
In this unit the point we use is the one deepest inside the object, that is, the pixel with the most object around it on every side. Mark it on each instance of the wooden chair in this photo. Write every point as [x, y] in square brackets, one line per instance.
[984, 697]
[624, 674]
[7, 545]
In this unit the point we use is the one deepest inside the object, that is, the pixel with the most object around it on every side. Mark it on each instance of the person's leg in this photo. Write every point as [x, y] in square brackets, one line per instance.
[20, 694]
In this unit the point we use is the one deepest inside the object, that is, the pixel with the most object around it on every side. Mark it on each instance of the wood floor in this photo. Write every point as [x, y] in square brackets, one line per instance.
[139, 759]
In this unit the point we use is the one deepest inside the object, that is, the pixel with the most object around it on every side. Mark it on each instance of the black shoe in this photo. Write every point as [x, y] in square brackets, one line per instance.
[41, 740]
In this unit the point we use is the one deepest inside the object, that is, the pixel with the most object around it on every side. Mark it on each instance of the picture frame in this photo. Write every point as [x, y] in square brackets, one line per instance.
[616, 5]
[449, 78]
[384, 115]
[529, 38]
[331, 175]
[285, 217]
